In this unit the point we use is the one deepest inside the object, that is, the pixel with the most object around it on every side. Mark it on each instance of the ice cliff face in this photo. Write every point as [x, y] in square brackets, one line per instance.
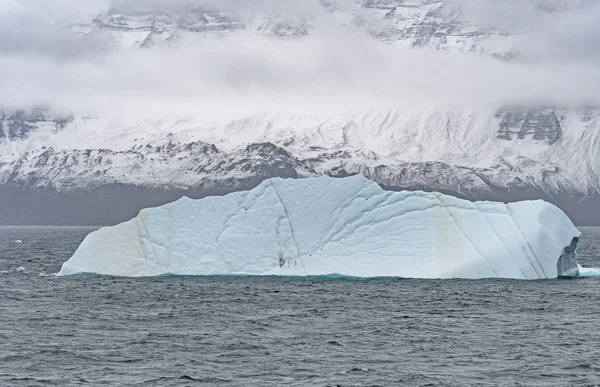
[335, 226]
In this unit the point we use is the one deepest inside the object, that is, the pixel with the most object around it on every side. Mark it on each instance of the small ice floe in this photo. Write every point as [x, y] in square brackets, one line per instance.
[18, 241]
[588, 271]
[20, 269]
[4, 271]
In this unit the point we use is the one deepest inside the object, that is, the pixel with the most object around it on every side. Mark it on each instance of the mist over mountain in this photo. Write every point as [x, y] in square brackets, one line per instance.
[124, 103]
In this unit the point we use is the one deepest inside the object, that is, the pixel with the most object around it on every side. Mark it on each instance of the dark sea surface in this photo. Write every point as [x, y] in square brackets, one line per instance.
[253, 331]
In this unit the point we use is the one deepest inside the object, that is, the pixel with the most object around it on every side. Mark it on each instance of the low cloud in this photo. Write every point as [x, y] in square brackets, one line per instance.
[44, 63]
[235, 7]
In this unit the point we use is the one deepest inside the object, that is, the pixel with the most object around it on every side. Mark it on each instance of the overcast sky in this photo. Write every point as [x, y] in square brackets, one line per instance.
[44, 62]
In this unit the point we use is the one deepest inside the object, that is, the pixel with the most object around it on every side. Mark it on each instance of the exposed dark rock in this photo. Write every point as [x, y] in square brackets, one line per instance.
[541, 124]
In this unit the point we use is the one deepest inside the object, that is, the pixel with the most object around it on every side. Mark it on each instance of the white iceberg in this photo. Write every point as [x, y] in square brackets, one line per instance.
[348, 226]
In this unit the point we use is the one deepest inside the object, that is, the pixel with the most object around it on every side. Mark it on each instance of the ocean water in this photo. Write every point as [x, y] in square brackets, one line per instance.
[236, 331]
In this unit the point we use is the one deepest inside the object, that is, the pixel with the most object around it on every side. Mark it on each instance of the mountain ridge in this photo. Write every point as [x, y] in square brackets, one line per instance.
[505, 153]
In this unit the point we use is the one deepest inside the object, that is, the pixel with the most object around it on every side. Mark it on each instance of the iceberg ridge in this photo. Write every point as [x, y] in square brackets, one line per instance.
[348, 226]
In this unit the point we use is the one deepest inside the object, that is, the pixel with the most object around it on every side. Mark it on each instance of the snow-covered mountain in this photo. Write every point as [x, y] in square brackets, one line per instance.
[448, 25]
[76, 168]
[508, 155]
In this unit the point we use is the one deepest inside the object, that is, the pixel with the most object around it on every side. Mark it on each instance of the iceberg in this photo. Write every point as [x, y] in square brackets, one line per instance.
[345, 226]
